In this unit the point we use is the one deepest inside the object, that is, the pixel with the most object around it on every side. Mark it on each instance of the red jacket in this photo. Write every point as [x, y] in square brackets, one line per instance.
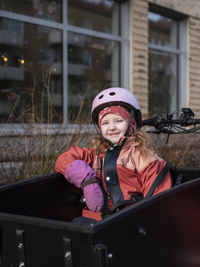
[136, 173]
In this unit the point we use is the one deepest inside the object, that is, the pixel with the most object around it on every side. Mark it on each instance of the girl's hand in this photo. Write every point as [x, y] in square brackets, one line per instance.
[82, 175]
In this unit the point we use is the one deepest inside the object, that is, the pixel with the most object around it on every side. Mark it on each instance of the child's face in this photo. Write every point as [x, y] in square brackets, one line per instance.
[113, 127]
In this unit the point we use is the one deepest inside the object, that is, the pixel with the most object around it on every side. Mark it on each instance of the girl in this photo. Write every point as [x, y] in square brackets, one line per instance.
[120, 166]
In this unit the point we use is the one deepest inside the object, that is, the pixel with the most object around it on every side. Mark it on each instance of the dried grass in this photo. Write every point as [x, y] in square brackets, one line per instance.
[181, 150]
[34, 152]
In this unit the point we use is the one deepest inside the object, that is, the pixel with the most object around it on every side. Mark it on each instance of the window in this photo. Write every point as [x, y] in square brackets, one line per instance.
[30, 68]
[56, 55]
[167, 49]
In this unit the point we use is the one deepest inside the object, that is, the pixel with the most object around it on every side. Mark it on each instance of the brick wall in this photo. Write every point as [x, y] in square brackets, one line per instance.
[140, 52]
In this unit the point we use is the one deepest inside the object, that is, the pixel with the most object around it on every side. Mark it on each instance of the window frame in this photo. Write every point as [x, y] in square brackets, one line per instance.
[181, 52]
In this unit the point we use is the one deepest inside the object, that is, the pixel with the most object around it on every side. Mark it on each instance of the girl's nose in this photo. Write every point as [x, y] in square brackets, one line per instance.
[112, 126]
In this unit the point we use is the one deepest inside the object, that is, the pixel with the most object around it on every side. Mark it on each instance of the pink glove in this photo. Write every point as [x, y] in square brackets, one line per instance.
[82, 175]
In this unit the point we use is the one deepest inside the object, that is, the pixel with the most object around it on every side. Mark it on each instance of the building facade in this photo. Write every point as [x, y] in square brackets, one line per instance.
[56, 55]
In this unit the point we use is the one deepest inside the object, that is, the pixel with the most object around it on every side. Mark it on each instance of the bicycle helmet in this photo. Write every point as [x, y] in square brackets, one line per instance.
[116, 96]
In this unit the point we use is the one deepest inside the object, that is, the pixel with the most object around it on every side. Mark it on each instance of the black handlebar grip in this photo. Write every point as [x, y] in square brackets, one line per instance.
[149, 122]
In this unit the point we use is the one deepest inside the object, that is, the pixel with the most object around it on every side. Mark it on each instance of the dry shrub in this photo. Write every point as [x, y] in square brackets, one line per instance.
[181, 149]
[33, 153]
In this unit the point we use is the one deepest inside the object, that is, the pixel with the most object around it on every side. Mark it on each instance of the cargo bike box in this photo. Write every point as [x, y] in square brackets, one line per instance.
[35, 228]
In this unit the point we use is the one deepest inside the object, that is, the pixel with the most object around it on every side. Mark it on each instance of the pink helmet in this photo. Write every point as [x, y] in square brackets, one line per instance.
[116, 96]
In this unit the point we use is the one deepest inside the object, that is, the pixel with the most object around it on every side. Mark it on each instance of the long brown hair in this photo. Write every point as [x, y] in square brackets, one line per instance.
[100, 145]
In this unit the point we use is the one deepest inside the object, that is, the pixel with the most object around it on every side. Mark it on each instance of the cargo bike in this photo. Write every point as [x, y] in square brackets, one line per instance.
[163, 230]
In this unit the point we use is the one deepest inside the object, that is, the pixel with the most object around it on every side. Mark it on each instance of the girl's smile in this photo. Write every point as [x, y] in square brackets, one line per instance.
[113, 127]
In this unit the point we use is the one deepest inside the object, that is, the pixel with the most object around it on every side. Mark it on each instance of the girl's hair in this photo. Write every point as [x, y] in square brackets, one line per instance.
[100, 145]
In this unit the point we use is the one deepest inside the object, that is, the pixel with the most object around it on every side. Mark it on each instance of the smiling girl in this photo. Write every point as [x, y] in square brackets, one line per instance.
[119, 162]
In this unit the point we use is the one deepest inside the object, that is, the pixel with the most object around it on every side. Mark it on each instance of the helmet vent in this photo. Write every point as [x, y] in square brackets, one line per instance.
[112, 93]
[101, 96]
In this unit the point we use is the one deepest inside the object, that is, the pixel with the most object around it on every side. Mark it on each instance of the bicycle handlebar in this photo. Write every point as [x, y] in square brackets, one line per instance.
[156, 121]
[174, 126]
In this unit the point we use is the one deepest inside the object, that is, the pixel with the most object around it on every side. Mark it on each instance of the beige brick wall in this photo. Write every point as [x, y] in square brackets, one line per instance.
[140, 48]
[140, 52]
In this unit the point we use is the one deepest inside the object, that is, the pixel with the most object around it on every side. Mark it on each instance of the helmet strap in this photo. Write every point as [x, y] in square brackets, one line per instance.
[131, 118]
[100, 134]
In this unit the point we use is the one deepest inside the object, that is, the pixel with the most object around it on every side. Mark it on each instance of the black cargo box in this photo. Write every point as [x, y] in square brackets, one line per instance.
[35, 228]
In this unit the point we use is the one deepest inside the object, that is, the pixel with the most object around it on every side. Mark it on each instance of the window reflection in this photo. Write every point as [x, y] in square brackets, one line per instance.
[163, 64]
[31, 57]
[98, 15]
[30, 73]
[162, 82]
[44, 9]
[162, 31]
[93, 64]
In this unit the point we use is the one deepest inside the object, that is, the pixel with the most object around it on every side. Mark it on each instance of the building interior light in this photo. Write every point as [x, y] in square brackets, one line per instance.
[4, 58]
[21, 61]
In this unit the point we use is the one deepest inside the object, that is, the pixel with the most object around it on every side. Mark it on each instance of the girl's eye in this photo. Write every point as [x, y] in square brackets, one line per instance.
[104, 123]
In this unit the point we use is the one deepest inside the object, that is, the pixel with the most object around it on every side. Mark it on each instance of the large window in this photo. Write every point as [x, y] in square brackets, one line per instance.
[165, 53]
[55, 56]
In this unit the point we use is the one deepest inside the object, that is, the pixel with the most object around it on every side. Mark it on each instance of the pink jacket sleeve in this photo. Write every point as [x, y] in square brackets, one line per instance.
[149, 174]
[74, 153]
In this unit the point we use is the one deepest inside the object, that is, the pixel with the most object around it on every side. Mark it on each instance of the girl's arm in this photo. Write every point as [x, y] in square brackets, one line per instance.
[76, 165]
[149, 174]
[74, 153]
